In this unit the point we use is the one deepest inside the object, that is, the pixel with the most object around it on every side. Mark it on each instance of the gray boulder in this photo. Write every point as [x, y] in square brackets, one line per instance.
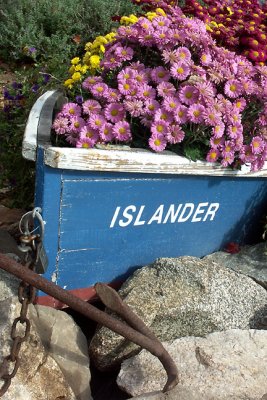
[179, 297]
[230, 365]
[39, 376]
[251, 261]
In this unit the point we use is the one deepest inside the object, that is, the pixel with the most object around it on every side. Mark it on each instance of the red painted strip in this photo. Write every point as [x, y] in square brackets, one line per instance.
[86, 294]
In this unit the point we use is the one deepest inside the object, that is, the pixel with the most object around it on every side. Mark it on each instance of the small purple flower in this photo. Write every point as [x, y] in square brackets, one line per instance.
[79, 99]
[35, 88]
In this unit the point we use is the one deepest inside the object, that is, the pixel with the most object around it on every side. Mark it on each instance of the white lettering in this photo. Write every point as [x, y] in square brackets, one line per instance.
[127, 215]
[198, 211]
[157, 216]
[116, 213]
[137, 221]
[171, 214]
[211, 211]
[182, 218]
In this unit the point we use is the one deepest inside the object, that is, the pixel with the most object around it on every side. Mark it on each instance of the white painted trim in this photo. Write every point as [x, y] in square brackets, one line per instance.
[138, 161]
[29, 144]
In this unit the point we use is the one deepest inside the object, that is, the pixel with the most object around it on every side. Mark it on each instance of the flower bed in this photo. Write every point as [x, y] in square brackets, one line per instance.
[164, 84]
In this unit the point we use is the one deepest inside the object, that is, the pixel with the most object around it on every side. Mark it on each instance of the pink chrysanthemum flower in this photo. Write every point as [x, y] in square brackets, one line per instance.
[122, 131]
[91, 107]
[218, 130]
[175, 134]
[89, 82]
[257, 145]
[188, 94]
[71, 110]
[114, 112]
[134, 107]
[140, 77]
[85, 143]
[160, 74]
[170, 56]
[88, 132]
[76, 124]
[183, 54]
[99, 90]
[160, 22]
[106, 132]
[96, 121]
[170, 103]
[163, 115]
[146, 91]
[61, 125]
[240, 104]
[180, 114]
[113, 95]
[147, 121]
[234, 130]
[151, 106]
[124, 53]
[166, 89]
[246, 154]
[157, 142]
[127, 87]
[160, 126]
[228, 159]
[213, 155]
[195, 113]
[233, 88]
[228, 148]
[217, 142]
[205, 58]
[72, 137]
[125, 75]
[180, 71]
[161, 37]
[212, 117]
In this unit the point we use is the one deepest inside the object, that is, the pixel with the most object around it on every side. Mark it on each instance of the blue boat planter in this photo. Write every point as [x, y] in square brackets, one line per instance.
[108, 211]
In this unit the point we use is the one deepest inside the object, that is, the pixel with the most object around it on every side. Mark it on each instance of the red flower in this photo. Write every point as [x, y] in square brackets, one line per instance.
[232, 248]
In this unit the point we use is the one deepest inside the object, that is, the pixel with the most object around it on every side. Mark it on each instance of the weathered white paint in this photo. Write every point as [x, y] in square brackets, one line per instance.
[137, 160]
[29, 144]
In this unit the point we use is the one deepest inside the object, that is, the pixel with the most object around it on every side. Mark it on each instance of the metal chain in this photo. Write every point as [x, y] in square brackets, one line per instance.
[26, 296]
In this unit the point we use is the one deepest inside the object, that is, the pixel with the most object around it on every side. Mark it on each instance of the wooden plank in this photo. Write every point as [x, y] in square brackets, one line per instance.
[112, 223]
[29, 144]
[138, 160]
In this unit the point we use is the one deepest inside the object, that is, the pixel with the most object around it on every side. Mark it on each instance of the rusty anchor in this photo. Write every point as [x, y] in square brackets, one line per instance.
[134, 329]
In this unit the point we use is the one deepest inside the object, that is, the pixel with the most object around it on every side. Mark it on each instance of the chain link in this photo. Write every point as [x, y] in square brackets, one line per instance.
[26, 296]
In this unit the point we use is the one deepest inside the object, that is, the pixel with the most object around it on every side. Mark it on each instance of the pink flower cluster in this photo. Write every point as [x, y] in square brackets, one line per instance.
[164, 81]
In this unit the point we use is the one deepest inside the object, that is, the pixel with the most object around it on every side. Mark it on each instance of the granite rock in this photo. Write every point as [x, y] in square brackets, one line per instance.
[251, 261]
[179, 297]
[229, 365]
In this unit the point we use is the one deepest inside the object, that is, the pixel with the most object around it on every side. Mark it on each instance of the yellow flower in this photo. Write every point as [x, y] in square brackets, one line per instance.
[88, 46]
[72, 69]
[151, 15]
[95, 61]
[78, 67]
[69, 83]
[76, 76]
[160, 11]
[75, 60]
[86, 58]
[84, 69]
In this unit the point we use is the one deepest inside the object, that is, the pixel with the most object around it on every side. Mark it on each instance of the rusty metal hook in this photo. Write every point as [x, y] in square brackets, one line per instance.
[136, 331]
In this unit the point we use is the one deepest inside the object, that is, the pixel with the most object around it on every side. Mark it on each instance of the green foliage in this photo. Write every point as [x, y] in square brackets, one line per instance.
[50, 27]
